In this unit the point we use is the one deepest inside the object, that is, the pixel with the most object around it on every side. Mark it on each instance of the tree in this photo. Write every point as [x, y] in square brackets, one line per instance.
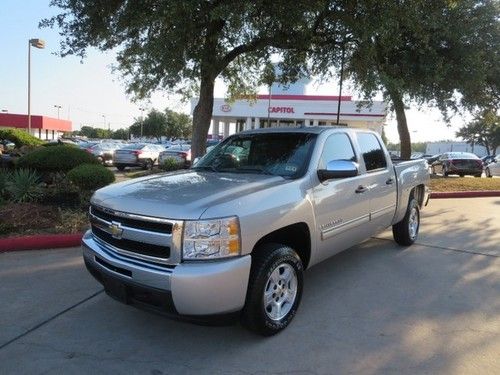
[440, 52]
[484, 130]
[154, 125]
[184, 46]
[179, 125]
[120, 134]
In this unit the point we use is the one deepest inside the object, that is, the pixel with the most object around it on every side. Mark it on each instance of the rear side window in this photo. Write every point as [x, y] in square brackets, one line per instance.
[337, 147]
[372, 151]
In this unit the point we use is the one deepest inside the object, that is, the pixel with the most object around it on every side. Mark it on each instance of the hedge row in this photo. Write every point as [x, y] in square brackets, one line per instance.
[56, 159]
[20, 137]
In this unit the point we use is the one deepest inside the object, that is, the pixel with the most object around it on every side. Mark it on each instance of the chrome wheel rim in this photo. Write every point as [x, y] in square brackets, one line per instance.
[280, 292]
[413, 222]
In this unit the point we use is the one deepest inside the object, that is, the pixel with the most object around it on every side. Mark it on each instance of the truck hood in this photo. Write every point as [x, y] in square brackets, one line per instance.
[181, 195]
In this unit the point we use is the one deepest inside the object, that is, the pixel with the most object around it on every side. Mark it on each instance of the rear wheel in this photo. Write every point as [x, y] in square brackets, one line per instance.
[121, 168]
[274, 289]
[488, 173]
[148, 164]
[444, 172]
[406, 231]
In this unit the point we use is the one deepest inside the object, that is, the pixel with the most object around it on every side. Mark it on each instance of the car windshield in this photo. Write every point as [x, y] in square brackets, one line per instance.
[280, 154]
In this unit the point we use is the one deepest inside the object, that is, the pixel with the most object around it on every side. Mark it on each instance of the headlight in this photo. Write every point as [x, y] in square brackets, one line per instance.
[211, 239]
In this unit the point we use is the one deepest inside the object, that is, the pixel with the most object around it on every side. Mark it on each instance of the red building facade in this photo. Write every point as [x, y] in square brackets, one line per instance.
[42, 127]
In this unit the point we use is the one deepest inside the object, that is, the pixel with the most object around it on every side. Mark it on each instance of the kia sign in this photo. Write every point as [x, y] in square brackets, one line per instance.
[225, 108]
[281, 110]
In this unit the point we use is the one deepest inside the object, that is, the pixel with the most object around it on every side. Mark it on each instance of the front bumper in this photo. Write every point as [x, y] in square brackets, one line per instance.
[190, 289]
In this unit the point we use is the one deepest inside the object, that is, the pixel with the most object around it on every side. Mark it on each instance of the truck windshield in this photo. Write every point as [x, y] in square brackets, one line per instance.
[279, 154]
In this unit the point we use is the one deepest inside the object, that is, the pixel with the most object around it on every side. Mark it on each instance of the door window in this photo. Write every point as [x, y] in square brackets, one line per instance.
[337, 147]
[372, 152]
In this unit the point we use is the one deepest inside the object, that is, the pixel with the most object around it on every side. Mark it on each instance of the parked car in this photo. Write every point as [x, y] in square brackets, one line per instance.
[143, 155]
[180, 153]
[459, 163]
[233, 234]
[104, 152]
[431, 158]
[493, 168]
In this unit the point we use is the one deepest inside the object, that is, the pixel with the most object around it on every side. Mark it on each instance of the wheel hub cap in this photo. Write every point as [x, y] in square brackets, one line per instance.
[280, 291]
[413, 222]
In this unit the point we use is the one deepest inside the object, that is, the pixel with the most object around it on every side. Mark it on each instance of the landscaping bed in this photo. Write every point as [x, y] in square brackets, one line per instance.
[23, 219]
[440, 184]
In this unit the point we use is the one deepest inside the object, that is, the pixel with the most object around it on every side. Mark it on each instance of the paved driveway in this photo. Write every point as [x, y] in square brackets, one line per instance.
[374, 309]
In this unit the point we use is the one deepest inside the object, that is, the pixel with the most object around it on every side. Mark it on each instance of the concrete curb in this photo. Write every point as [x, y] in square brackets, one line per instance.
[38, 242]
[464, 194]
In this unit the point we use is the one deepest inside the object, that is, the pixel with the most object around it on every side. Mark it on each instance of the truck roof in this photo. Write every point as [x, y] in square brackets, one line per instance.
[304, 129]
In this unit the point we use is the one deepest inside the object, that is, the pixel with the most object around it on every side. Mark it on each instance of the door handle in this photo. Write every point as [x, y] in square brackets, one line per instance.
[361, 189]
[390, 181]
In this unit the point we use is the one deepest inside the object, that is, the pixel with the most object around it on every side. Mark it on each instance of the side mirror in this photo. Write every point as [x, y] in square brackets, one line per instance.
[338, 169]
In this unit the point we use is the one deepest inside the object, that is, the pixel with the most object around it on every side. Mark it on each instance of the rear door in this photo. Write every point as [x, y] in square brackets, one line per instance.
[341, 205]
[381, 181]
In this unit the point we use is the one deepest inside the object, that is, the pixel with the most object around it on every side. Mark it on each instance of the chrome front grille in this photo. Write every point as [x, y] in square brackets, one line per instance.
[141, 237]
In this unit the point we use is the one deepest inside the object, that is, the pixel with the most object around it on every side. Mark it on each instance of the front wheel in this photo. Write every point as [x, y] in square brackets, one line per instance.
[405, 232]
[274, 289]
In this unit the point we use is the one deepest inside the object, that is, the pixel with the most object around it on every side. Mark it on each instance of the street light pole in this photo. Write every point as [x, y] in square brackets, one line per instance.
[58, 108]
[40, 44]
[142, 119]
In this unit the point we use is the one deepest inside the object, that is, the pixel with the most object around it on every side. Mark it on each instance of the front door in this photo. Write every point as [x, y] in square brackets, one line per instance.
[341, 205]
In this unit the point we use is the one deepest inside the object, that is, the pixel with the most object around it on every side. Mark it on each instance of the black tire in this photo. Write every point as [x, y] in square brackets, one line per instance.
[148, 165]
[402, 232]
[121, 168]
[266, 260]
[488, 173]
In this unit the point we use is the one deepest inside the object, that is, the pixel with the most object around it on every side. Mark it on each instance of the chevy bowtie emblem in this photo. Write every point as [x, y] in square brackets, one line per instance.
[116, 230]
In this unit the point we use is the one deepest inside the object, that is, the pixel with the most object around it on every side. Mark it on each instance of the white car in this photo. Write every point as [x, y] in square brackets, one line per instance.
[143, 155]
[493, 169]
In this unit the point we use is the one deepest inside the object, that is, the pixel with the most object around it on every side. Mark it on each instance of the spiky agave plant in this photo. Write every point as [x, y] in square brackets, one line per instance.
[24, 185]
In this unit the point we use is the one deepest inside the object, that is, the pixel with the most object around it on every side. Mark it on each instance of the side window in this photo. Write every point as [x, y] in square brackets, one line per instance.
[337, 147]
[372, 151]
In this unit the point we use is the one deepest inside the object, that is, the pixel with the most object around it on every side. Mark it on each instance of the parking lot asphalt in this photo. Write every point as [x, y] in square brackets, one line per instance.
[374, 309]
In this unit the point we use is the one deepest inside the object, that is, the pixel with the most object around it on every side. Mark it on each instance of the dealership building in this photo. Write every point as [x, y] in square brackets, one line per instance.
[293, 110]
[46, 128]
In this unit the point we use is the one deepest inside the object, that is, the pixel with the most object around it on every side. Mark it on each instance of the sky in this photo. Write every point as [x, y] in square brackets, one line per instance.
[89, 93]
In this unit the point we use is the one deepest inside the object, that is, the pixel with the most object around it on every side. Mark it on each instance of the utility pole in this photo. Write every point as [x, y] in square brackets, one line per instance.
[341, 81]
[40, 44]
[142, 120]
[58, 108]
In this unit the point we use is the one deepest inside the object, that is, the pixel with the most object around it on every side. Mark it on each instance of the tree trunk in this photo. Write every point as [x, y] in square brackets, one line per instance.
[404, 134]
[202, 115]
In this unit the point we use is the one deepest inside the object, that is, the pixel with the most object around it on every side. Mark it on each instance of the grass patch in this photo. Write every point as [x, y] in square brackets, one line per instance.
[441, 184]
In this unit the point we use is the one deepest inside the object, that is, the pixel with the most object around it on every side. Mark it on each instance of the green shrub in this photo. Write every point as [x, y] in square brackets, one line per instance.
[20, 137]
[4, 178]
[90, 177]
[170, 164]
[24, 185]
[56, 159]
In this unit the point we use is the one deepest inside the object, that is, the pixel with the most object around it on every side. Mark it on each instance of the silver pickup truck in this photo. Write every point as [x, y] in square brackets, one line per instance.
[233, 235]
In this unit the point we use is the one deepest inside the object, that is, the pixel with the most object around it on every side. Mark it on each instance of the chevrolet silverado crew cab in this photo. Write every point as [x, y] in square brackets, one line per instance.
[233, 234]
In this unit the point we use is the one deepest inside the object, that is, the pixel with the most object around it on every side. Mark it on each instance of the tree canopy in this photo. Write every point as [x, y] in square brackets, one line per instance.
[441, 52]
[157, 124]
[484, 130]
[183, 46]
